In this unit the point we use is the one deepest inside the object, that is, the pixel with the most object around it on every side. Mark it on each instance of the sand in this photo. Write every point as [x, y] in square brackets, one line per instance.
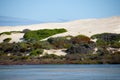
[16, 37]
[87, 27]
[58, 52]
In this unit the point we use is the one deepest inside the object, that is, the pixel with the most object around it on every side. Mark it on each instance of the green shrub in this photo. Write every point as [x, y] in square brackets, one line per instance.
[46, 45]
[115, 45]
[7, 33]
[36, 52]
[60, 42]
[26, 30]
[101, 43]
[80, 39]
[52, 56]
[41, 34]
[108, 37]
[82, 48]
[7, 39]
[23, 46]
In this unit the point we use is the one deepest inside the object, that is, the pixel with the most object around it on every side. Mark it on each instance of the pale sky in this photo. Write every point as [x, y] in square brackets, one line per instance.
[52, 10]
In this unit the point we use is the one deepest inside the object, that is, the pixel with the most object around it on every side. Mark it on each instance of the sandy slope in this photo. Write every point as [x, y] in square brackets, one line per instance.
[16, 37]
[87, 27]
[59, 52]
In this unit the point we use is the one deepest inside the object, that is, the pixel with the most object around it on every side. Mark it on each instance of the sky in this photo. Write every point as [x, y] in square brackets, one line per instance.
[61, 10]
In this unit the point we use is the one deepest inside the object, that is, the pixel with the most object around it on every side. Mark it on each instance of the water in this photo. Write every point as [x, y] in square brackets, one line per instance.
[60, 72]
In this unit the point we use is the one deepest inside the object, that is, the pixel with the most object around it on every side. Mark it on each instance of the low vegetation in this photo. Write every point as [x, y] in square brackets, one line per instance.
[36, 52]
[41, 34]
[9, 33]
[80, 49]
[107, 39]
[7, 40]
[26, 30]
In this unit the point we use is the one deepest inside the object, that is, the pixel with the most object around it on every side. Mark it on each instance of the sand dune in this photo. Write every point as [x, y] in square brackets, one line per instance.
[59, 52]
[16, 37]
[87, 27]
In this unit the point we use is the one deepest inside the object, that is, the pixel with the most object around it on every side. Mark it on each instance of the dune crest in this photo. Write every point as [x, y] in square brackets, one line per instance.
[86, 27]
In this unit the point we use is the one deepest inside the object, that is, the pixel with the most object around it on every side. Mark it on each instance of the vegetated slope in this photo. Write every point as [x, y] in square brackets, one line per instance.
[68, 49]
[41, 34]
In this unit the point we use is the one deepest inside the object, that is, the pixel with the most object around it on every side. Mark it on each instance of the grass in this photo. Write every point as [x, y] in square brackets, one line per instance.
[42, 34]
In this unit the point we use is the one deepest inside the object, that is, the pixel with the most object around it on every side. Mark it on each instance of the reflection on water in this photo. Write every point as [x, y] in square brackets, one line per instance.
[60, 72]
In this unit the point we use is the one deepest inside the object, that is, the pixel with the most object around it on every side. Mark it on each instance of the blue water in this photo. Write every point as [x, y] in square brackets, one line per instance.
[60, 72]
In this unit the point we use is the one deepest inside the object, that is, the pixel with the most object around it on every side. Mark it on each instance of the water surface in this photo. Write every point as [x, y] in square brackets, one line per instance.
[60, 72]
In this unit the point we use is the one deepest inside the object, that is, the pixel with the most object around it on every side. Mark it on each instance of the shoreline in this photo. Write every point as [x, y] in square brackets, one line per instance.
[52, 63]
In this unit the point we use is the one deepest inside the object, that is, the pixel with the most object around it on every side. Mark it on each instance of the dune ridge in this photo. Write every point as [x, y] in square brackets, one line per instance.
[86, 27]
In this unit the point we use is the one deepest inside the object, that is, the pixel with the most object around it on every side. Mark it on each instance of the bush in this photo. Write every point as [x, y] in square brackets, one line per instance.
[41, 34]
[7, 33]
[46, 45]
[83, 48]
[6, 47]
[7, 39]
[102, 51]
[60, 42]
[36, 52]
[80, 39]
[115, 45]
[51, 56]
[23, 46]
[111, 58]
[26, 30]
[101, 43]
[107, 37]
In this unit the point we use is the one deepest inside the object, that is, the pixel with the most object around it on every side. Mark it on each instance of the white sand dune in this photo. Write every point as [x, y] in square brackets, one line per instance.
[58, 52]
[87, 27]
[16, 37]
